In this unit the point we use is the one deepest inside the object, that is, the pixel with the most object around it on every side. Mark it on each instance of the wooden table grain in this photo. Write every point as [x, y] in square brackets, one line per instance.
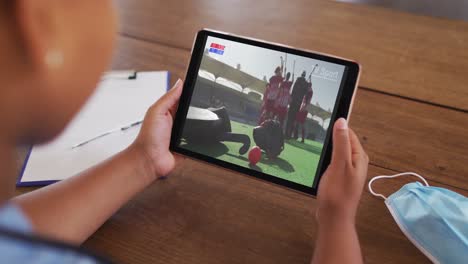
[411, 113]
[412, 56]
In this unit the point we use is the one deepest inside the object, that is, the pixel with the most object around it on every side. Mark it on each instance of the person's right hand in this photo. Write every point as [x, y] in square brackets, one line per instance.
[341, 185]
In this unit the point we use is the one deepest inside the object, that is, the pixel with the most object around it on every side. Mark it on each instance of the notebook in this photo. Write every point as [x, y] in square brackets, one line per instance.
[95, 134]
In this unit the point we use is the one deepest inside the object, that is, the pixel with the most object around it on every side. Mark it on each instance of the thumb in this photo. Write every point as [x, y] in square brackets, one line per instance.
[341, 144]
[170, 99]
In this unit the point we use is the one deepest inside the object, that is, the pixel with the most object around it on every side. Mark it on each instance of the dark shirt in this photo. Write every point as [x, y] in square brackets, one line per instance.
[299, 90]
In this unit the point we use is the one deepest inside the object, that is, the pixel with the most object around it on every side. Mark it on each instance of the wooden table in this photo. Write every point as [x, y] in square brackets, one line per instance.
[411, 113]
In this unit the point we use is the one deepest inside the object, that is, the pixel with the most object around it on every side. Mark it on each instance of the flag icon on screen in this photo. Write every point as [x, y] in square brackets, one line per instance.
[217, 48]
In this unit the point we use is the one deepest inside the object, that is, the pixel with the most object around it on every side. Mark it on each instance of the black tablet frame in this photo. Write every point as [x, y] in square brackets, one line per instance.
[342, 108]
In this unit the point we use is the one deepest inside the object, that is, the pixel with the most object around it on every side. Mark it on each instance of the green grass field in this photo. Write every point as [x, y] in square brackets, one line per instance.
[297, 162]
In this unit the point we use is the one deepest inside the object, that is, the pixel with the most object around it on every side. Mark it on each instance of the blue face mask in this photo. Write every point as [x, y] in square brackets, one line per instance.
[434, 219]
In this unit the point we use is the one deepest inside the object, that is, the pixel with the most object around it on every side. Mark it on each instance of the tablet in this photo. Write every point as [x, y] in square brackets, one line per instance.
[262, 109]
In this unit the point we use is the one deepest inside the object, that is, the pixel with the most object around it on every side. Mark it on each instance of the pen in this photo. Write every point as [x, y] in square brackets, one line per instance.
[107, 133]
[132, 125]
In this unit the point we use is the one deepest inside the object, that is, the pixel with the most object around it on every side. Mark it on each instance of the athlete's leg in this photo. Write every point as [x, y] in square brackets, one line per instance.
[303, 132]
[292, 112]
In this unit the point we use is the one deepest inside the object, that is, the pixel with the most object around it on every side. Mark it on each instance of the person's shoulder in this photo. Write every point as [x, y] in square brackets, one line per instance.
[13, 218]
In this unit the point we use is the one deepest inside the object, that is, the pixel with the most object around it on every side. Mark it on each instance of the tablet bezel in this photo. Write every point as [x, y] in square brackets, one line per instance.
[343, 105]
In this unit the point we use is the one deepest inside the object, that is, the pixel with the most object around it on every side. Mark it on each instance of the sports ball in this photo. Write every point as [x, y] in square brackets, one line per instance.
[255, 154]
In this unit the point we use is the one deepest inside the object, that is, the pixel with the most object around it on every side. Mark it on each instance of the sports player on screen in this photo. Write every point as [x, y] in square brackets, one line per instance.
[271, 93]
[299, 91]
[283, 99]
[301, 116]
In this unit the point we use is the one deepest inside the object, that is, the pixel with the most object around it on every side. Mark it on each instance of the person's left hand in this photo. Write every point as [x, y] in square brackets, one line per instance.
[155, 134]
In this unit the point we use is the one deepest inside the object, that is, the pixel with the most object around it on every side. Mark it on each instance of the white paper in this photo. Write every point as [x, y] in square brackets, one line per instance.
[116, 103]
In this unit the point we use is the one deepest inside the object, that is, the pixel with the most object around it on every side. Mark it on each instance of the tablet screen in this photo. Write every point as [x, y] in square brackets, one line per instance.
[262, 109]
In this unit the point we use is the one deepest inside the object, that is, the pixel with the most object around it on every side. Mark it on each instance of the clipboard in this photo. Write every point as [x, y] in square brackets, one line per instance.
[120, 101]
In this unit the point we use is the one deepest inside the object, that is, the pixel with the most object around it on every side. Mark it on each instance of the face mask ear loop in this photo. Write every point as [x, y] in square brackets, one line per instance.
[369, 186]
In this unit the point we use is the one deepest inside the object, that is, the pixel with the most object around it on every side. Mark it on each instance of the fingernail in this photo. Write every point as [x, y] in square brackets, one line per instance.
[178, 83]
[342, 124]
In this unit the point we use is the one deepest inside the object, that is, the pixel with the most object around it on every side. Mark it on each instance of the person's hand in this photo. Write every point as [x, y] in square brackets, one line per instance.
[155, 134]
[341, 186]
